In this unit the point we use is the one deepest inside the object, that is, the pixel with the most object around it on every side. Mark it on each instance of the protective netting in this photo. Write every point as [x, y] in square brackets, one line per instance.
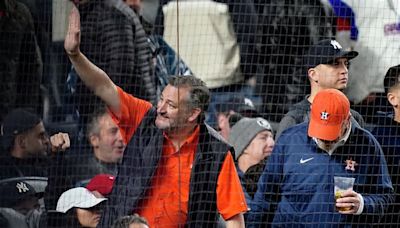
[178, 152]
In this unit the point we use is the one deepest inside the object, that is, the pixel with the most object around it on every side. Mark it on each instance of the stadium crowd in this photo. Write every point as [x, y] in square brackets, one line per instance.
[199, 113]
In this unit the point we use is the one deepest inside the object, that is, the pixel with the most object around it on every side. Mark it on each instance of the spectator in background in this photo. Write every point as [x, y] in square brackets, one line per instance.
[114, 39]
[159, 140]
[374, 33]
[297, 185]
[288, 28]
[54, 63]
[224, 53]
[26, 145]
[327, 65]
[82, 207]
[166, 60]
[20, 61]
[77, 169]
[253, 141]
[107, 148]
[131, 221]
[103, 183]
[19, 205]
[387, 132]
[236, 104]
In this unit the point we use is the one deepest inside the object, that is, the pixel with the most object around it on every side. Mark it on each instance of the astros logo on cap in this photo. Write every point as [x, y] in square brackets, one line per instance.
[324, 115]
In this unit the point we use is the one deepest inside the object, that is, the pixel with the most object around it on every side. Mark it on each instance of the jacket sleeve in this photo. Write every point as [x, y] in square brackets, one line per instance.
[265, 200]
[110, 39]
[286, 122]
[377, 199]
[125, 52]
[245, 24]
[30, 71]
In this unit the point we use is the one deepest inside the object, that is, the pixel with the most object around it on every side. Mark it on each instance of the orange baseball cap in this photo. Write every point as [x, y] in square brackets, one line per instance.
[328, 111]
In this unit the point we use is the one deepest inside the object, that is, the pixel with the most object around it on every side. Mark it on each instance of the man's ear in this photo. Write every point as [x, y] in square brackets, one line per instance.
[393, 100]
[94, 140]
[20, 141]
[313, 75]
[194, 115]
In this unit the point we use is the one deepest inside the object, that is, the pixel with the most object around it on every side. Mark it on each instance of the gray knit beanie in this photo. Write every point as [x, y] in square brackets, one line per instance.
[244, 131]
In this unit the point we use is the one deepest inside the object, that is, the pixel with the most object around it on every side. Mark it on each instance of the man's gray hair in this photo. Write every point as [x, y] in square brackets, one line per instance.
[93, 127]
[199, 92]
[125, 221]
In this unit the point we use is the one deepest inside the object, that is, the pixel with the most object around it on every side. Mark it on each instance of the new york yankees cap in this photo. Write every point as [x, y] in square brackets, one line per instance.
[17, 122]
[239, 104]
[15, 191]
[329, 109]
[326, 52]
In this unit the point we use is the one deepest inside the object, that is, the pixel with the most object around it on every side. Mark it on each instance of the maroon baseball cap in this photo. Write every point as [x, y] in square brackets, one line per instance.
[102, 183]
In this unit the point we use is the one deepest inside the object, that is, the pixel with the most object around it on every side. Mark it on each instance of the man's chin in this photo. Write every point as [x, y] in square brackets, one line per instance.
[341, 87]
[161, 126]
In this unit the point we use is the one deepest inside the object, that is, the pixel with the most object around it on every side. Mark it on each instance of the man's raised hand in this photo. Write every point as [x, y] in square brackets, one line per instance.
[59, 142]
[73, 37]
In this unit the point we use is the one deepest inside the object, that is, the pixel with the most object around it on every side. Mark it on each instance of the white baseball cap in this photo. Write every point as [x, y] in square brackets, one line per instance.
[77, 197]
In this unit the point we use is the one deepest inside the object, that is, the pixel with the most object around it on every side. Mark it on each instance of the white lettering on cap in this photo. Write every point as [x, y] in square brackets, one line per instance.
[336, 44]
[21, 186]
[248, 102]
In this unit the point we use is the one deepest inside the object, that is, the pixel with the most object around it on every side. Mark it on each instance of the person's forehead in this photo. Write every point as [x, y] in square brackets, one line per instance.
[264, 133]
[39, 128]
[173, 93]
[137, 225]
[336, 60]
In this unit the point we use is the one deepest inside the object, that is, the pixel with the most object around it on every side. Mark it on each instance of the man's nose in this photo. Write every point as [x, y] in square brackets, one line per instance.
[119, 136]
[345, 68]
[161, 106]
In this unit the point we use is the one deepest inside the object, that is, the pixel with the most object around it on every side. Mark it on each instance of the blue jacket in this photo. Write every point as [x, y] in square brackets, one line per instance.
[297, 184]
[387, 132]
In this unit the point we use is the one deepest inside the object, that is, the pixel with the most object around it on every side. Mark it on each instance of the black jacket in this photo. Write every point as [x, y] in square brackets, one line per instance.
[140, 162]
[287, 29]
[73, 169]
[113, 38]
[20, 61]
[30, 167]
[387, 133]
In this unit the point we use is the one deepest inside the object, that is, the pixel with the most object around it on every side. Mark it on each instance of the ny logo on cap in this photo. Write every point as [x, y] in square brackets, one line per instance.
[21, 186]
[324, 115]
[336, 44]
[248, 102]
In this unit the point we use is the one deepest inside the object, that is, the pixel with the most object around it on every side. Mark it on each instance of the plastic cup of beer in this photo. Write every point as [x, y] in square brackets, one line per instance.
[342, 184]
